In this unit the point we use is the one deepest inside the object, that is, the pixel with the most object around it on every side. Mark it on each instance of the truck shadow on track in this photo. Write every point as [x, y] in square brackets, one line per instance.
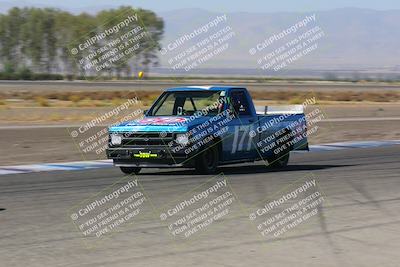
[253, 169]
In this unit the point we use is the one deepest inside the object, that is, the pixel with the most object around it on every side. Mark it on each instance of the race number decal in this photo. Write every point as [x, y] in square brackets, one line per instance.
[242, 139]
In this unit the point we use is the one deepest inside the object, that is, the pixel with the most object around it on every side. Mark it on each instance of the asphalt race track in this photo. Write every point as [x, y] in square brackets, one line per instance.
[358, 224]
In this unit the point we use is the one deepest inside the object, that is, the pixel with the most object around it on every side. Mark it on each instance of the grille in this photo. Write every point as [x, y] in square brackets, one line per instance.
[146, 139]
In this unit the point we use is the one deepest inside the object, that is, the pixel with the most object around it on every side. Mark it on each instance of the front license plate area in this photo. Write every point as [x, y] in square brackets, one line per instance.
[145, 155]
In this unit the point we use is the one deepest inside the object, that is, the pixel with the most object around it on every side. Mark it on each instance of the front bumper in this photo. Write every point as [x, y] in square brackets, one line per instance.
[165, 157]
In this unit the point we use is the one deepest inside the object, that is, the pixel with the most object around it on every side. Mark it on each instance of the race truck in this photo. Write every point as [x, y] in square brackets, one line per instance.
[203, 127]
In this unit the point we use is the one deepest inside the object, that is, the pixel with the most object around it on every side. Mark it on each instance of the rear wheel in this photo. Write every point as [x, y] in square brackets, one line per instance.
[281, 160]
[207, 161]
[130, 170]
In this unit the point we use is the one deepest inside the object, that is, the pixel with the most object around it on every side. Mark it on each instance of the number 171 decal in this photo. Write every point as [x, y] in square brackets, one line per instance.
[242, 132]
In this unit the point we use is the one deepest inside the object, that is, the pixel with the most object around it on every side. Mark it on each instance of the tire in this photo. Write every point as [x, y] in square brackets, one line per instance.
[207, 161]
[282, 159]
[130, 170]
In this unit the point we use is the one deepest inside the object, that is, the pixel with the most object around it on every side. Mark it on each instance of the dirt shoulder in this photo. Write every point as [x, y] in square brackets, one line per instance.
[23, 115]
[348, 116]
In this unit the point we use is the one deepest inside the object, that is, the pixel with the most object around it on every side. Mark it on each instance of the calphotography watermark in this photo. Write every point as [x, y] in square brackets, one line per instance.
[203, 134]
[111, 45]
[209, 126]
[288, 130]
[109, 210]
[198, 210]
[288, 46]
[289, 209]
[92, 137]
[193, 49]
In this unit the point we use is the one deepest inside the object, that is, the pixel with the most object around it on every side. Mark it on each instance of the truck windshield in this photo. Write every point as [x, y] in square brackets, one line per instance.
[186, 103]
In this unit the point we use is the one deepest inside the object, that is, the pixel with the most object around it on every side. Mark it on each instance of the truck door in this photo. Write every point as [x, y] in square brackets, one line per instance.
[239, 144]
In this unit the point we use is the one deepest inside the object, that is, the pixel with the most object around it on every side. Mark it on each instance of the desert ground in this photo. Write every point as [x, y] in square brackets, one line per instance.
[36, 117]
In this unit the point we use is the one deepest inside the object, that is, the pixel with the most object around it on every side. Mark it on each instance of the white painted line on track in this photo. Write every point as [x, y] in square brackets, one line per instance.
[97, 164]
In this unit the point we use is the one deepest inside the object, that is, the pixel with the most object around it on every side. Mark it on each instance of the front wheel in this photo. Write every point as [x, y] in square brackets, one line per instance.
[130, 170]
[207, 161]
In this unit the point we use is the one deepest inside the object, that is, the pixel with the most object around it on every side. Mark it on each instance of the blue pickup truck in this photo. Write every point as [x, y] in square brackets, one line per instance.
[203, 127]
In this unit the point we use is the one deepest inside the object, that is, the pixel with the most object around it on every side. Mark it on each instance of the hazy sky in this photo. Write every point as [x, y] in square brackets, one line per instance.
[218, 5]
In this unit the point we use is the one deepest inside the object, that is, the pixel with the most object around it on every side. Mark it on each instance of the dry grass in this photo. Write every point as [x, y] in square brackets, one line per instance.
[42, 101]
[73, 98]
[294, 97]
[113, 98]
[296, 101]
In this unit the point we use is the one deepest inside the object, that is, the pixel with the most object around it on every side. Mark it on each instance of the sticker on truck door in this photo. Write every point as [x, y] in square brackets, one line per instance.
[242, 139]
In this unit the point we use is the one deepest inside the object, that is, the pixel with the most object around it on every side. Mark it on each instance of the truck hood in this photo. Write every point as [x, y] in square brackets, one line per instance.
[158, 124]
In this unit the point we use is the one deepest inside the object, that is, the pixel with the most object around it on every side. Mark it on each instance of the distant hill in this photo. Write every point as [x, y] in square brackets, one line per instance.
[355, 38]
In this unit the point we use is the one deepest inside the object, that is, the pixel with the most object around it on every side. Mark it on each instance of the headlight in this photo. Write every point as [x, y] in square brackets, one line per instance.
[182, 139]
[116, 139]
